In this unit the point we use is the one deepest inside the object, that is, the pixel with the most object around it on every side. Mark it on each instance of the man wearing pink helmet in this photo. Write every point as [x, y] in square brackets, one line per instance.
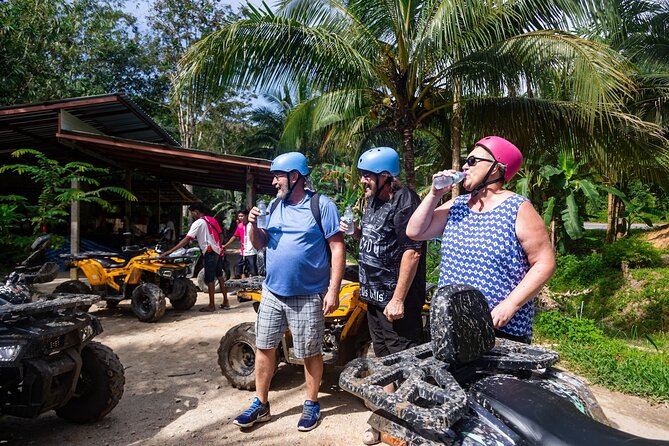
[492, 238]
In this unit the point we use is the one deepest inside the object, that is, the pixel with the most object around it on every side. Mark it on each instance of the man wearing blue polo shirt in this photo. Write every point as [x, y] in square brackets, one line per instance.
[301, 284]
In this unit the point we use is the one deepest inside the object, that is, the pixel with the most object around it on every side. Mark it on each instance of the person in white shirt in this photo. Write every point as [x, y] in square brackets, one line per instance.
[207, 232]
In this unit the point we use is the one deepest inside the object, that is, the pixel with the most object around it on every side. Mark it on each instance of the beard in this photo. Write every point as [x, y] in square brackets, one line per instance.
[369, 193]
[282, 193]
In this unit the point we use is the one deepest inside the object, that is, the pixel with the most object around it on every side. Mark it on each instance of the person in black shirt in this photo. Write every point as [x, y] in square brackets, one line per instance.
[392, 266]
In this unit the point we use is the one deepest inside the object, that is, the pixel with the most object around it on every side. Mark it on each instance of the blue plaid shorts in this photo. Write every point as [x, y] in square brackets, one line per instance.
[302, 314]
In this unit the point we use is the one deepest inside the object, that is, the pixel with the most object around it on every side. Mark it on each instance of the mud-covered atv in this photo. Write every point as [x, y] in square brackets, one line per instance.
[467, 388]
[15, 288]
[48, 360]
[346, 334]
[145, 278]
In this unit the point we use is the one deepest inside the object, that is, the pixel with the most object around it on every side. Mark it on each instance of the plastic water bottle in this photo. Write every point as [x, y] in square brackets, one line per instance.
[261, 221]
[443, 181]
[348, 219]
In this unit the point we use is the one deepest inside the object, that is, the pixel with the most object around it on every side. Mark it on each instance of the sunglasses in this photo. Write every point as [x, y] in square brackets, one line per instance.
[472, 160]
[367, 174]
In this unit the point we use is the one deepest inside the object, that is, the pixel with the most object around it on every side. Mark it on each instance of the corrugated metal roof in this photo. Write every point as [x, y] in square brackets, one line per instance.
[113, 114]
[129, 139]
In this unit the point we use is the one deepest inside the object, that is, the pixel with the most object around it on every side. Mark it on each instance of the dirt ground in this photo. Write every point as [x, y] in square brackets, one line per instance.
[175, 393]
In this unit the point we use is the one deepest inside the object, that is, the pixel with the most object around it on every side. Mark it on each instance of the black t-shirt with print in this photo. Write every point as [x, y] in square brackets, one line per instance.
[382, 244]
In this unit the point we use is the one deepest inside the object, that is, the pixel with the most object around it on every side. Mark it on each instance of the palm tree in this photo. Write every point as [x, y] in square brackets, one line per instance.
[284, 124]
[639, 30]
[390, 68]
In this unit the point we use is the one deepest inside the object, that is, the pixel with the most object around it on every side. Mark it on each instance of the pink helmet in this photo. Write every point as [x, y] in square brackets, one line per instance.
[504, 152]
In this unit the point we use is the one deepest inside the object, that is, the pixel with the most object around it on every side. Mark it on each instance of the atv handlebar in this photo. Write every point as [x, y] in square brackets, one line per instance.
[89, 255]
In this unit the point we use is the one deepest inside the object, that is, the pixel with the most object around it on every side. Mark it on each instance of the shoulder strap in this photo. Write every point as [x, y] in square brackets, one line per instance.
[275, 203]
[213, 228]
[316, 211]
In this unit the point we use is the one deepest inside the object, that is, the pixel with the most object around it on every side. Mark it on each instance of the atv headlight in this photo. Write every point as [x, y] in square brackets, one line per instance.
[86, 333]
[9, 353]
[165, 272]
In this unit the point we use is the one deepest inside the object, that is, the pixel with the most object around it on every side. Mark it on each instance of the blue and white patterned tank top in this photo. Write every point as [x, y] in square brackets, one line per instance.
[480, 249]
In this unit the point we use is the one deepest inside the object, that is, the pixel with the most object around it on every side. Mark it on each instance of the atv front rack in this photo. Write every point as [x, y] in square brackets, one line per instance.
[63, 301]
[249, 283]
[428, 395]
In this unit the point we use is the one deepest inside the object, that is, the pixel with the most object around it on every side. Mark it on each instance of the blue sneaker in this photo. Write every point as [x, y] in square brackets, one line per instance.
[311, 412]
[257, 413]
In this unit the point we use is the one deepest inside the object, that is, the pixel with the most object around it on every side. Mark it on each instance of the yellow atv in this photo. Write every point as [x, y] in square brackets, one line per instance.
[346, 335]
[145, 278]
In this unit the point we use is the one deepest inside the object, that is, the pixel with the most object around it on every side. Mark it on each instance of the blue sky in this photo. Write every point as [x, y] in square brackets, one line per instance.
[140, 8]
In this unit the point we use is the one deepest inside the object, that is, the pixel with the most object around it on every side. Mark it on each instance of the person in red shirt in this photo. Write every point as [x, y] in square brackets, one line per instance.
[246, 267]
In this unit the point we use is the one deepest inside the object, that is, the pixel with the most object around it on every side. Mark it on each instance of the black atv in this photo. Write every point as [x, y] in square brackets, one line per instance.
[48, 360]
[35, 268]
[467, 388]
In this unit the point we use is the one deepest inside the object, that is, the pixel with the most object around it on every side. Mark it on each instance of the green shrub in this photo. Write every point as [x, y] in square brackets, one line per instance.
[433, 261]
[617, 366]
[553, 325]
[603, 360]
[642, 311]
[576, 273]
[636, 252]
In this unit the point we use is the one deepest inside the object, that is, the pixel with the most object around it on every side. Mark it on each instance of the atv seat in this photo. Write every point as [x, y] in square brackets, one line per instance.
[110, 263]
[546, 419]
[133, 250]
[106, 259]
[461, 327]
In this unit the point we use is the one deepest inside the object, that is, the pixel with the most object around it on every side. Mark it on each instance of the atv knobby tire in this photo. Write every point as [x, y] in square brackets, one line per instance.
[187, 297]
[148, 302]
[237, 355]
[99, 388]
[73, 287]
[203, 286]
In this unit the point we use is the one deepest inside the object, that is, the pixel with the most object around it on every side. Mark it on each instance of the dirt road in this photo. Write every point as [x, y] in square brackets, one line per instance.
[176, 395]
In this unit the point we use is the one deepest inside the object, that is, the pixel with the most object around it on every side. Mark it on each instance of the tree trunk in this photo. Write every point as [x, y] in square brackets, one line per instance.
[409, 161]
[611, 218]
[622, 226]
[553, 234]
[456, 132]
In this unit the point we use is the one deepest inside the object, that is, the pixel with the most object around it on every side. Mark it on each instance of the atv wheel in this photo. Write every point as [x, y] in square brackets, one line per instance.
[203, 286]
[188, 295]
[99, 388]
[237, 356]
[148, 302]
[73, 287]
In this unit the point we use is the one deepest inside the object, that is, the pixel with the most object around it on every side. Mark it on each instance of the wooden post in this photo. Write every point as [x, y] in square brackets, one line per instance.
[250, 190]
[127, 205]
[75, 226]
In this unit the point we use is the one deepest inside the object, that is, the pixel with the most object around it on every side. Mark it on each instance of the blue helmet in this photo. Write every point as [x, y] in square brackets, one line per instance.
[287, 162]
[380, 159]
